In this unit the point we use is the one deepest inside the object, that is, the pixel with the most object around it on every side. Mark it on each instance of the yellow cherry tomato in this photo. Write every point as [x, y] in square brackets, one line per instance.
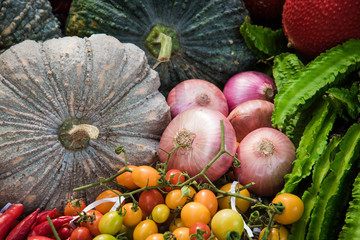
[294, 208]
[241, 204]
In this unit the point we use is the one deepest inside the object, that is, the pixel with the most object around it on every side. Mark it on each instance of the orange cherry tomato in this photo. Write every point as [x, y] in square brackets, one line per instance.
[294, 208]
[241, 204]
[74, 207]
[125, 178]
[105, 207]
[175, 198]
[276, 233]
[144, 229]
[93, 223]
[145, 176]
[131, 217]
[182, 233]
[155, 236]
[194, 212]
[208, 198]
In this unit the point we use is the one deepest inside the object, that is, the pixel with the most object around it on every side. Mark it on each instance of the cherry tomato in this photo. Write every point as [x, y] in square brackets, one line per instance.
[105, 207]
[110, 223]
[160, 213]
[145, 176]
[148, 200]
[202, 227]
[132, 217]
[176, 223]
[105, 237]
[93, 224]
[208, 198]
[74, 207]
[276, 233]
[81, 233]
[144, 229]
[241, 204]
[194, 212]
[65, 231]
[175, 198]
[226, 220]
[174, 176]
[125, 178]
[294, 208]
[155, 236]
[181, 233]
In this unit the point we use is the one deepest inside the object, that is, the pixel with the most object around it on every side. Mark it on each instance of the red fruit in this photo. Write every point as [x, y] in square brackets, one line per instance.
[264, 9]
[313, 26]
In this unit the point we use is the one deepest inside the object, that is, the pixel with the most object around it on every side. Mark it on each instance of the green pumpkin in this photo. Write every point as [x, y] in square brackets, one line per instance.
[21, 20]
[66, 104]
[204, 35]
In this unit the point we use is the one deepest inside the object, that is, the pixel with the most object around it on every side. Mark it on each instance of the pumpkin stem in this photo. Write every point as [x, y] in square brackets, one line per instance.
[75, 135]
[162, 42]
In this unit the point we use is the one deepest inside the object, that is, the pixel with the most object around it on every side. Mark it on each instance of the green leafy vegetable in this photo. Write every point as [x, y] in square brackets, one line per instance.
[263, 41]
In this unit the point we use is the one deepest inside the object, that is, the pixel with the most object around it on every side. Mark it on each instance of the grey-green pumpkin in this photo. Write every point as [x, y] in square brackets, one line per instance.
[26, 19]
[205, 35]
[65, 105]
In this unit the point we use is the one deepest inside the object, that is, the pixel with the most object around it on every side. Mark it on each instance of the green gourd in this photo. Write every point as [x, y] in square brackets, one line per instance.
[182, 39]
[66, 104]
[31, 19]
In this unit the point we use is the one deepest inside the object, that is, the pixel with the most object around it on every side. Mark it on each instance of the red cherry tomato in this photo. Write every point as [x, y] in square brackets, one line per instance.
[81, 233]
[174, 176]
[148, 200]
[202, 227]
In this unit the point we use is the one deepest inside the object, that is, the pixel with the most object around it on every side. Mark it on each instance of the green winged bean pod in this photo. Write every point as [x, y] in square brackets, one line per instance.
[306, 86]
[336, 188]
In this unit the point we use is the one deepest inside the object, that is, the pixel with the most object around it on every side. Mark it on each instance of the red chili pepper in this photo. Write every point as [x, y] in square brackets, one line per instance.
[42, 217]
[23, 228]
[7, 219]
[44, 229]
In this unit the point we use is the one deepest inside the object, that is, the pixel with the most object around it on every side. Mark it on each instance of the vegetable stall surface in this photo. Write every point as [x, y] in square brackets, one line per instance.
[65, 106]
[182, 39]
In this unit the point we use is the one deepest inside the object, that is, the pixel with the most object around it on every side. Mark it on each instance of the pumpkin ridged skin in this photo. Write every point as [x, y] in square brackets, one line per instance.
[210, 43]
[30, 19]
[103, 82]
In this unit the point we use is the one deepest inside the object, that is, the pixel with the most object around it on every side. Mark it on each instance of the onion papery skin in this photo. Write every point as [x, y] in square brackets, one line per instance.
[251, 115]
[266, 171]
[203, 124]
[248, 85]
[196, 93]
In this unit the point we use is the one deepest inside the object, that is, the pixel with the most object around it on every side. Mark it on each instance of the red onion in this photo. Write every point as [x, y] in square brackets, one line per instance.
[266, 156]
[249, 116]
[196, 93]
[248, 85]
[200, 127]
